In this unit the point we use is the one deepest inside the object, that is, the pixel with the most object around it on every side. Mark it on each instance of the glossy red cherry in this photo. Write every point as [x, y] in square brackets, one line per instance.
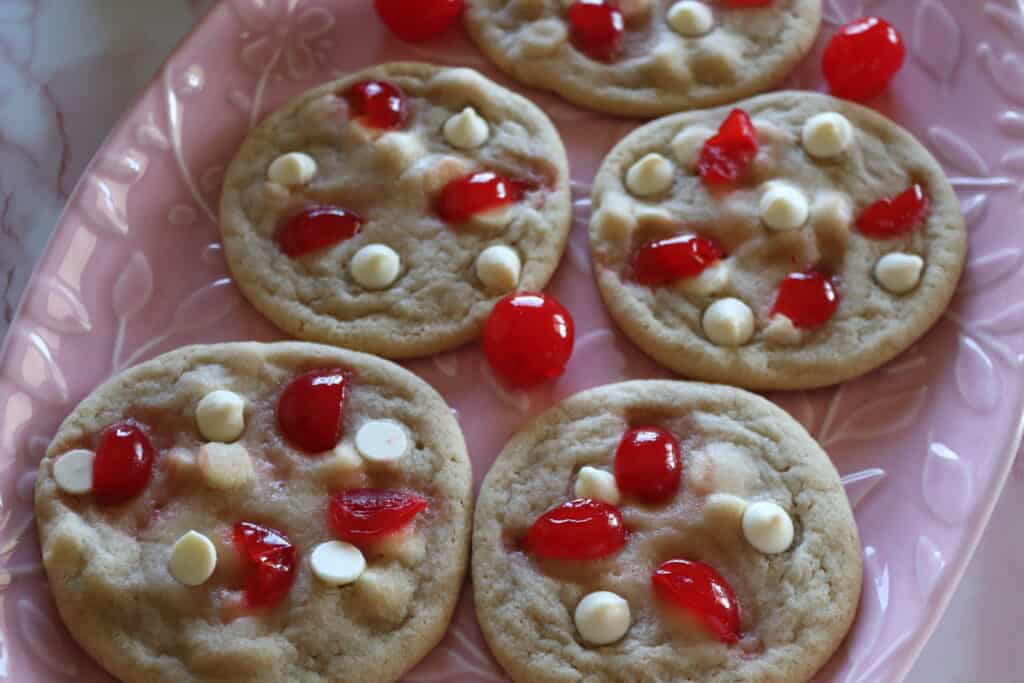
[271, 559]
[597, 28]
[894, 217]
[361, 516]
[663, 262]
[809, 299]
[862, 58]
[316, 228]
[725, 157]
[310, 409]
[377, 104]
[701, 592]
[465, 197]
[581, 529]
[647, 464]
[528, 339]
[748, 3]
[419, 20]
[123, 464]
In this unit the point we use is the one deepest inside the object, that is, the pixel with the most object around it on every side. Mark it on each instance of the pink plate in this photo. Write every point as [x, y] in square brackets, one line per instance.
[135, 269]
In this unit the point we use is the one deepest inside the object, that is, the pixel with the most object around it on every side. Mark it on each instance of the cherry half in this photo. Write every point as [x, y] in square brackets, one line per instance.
[528, 339]
[316, 228]
[862, 58]
[465, 197]
[581, 529]
[378, 104]
[663, 262]
[362, 516]
[419, 20]
[726, 156]
[748, 3]
[310, 409]
[597, 28]
[700, 591]
[123, 464]
[809, 299]
[271, 558]
[647, 464]
[889, 218]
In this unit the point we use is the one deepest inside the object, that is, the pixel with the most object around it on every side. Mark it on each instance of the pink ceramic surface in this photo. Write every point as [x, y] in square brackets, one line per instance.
[135, 269]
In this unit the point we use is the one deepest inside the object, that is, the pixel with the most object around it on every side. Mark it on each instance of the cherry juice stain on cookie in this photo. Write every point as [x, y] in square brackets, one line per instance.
[862, 58]
[272, 562]
[123, 464]
[310, 410]
[663, 262]
[809, 299]
[361, 516]
[889, 218]
[726, 156]
[378, 104]
[317, 228]
[581, 529]
[701, 592]
[647, 464]
[528, 339]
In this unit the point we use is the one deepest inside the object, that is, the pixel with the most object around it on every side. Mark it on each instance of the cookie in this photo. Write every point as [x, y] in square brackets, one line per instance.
[388, 211]
[795, 241]
[664, 531]
[646, 57]
[257, 512]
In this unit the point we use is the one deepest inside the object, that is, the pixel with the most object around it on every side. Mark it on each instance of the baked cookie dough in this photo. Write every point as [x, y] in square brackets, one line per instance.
[755, 503]
[233, 555]
[668, 56]
[838, 246]
[389, 210]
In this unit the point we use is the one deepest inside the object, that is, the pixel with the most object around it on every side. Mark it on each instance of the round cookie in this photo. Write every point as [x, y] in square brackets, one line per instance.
[673, 56]
[740, 454]
[408, 283]
[822, 216]
[153, 603]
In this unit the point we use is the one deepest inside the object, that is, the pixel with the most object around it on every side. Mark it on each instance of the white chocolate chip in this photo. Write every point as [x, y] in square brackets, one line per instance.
[382, 441]
[650, 176]
[826, 136]
[781, 330]
[292, 169]
[784, 207]
[400, 150]
[73, 471]
[405, 545]
[597, 484]
[385, 593]
[225, 467]
[728, 322]
[337, 563]
[899, 273]
[616, 219]
[602, 618]
[375, 266]
[724, 510]
[193, 559]
[690, 18]
[832, 216]
[768, 132]
[711, 280]
[499, 268]
[768, 527]
[466, 130]
[220, 416]
[687, 145]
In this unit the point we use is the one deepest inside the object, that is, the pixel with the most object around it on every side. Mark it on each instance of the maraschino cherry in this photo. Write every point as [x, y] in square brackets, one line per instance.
[597, 28]
[748, 3]
[809, 299]
[377, 104]
[361, 516]
[889, 218]
[316, 228]
[581, 529]
[528, 339]
[726, 156]
[476, 193]
[419, 20]
[647, 464]
[272, 562]
[123, 464]
[862, 58]
[663, 262]
[309, 411]
[701, 592]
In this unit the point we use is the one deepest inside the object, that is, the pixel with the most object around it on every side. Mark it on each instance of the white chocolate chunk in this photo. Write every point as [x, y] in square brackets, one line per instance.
[650, 176]
[337, 563]
[768, 527]
[193, 559]
[375, 266]
[687, 145]
[616, 219]
[781, 330]
[225, 467]
[220, 416]
[784, 207]
[832, 215]
[724, 510]
[690, 18]
[385, 593]
[602, 618]
[728, 322]
[382, 441]
[466, 130]
[597, 484]
[292, 169]
[899, 273]
[713, 279]
[826, 136]
[400, 150]
[73, 471]
[499, 268]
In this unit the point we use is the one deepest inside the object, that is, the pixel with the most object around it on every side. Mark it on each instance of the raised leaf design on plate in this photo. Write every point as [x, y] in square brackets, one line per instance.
[579, 251]
[596, 359]
[879, 417]
[133, 287]
[1012, 123]
[974, 209]
[149, 134]
[937, 41]
[35, 369]
[58, 307]
[1010, 21]
[798, 404]
[842, 11]
[946, 484]
[991, 269]
[976, 377]
[191, 81]
[104, 203]
[1014, 161]
[182, 214]
[205, 306]
[514, 398]
[877, 663]
[1006, 71]
[928, 566]
[1010, 320]
[459, 660]
[124, 167]
[240, 100]
[447, 363]
[859, 484]
[43, 640]
[956, 151]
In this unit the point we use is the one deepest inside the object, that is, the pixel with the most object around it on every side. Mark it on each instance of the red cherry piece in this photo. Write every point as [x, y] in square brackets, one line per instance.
[582, 529]
[316, 228]
[378, 104]
[123, 464]
[663, 262]
[597, 28]
[809, 299]
[361, 516]
[748, 3]
[647, 464]
[528, 339]
[419, 20]
[271, 559]
[310, 409]
[465, 197]
[894, 217]
[703, 593]
[725, 157]
[862, 58]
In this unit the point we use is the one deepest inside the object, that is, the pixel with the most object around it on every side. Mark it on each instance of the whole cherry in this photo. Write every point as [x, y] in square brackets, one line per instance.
[528, 339]
[418, 20]
[582, 529]
[862, 57]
